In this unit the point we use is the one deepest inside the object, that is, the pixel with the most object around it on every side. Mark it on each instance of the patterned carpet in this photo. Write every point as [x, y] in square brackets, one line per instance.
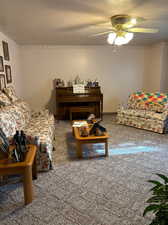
[107, 191]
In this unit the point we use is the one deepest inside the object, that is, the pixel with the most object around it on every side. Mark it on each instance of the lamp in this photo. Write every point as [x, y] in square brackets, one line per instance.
[119, 38]
[111, 38]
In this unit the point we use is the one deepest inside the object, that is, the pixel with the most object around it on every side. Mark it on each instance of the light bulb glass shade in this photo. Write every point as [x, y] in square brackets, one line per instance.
[129, 36]
[133, 21]
[111, 38]
[120, 40]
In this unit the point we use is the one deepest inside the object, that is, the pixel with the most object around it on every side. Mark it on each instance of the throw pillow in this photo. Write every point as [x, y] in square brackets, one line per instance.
[4, 100]
[10, 92]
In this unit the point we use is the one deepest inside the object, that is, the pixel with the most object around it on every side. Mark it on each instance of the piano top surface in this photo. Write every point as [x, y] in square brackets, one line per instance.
[69, 91]
[65, 94]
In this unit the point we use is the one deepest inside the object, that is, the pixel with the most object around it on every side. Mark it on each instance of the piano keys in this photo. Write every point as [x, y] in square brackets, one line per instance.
[65, 98]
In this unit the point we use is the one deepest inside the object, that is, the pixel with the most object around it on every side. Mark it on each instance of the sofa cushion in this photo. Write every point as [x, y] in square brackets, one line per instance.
[133, 112]
[16, 114]
[4, 100]
[40, 125]
[7, 123]
[142, 123]
[19, 114]
[25, 109]
[155, 115]
[156, 107]
[10, 92]
[144, 114]
[41, 128]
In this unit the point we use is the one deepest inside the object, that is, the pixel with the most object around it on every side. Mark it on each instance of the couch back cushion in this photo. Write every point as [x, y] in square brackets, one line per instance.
[14, 117]
[4, 100]
[149, 101]
[7, 123]
[11, 94]
[25, 109]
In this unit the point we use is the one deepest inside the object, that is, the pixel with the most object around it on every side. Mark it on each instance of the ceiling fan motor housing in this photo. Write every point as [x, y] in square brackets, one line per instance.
[120, 19]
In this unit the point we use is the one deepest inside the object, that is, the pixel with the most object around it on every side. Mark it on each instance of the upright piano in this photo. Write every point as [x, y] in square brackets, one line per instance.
[65, 98]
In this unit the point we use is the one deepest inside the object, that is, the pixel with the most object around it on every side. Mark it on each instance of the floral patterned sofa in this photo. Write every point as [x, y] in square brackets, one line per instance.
[15, 114]
[146, 111]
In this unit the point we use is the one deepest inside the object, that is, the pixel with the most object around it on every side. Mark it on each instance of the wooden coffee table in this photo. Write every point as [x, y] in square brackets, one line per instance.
[91, 139]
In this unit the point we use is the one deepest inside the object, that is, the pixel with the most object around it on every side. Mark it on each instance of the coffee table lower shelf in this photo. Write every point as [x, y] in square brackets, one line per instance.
[88, 140]
[80, 143]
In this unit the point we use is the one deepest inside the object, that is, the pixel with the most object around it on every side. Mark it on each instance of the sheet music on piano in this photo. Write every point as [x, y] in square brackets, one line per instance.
[78, 88]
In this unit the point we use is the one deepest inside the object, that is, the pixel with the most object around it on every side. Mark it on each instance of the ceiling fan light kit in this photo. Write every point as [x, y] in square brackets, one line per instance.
[111, 37]
[119, 39]
[133, 21]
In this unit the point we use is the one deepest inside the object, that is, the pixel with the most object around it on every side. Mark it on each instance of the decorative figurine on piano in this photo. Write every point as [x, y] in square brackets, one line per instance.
[70, 83]
[77, 80]
[59, 82]
[89, 83]
[95, 83]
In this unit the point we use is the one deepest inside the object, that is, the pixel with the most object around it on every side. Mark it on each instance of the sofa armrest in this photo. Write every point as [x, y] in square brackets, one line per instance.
[165, 113]
[43, 112]
[122, 106]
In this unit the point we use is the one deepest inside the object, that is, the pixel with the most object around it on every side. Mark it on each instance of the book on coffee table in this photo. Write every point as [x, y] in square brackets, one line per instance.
[80, 124]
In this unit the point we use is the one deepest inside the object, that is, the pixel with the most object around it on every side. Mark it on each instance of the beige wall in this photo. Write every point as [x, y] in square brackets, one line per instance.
[153, 66]
[156, 68]
[128, 69]
[164, 68]
[119, 73]
[14, 62]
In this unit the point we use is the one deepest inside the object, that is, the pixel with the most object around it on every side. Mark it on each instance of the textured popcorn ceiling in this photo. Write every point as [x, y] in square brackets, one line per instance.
[71, 22]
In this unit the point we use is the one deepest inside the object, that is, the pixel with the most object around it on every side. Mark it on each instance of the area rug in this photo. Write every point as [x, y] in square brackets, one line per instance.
[87, 192]
[123, 140]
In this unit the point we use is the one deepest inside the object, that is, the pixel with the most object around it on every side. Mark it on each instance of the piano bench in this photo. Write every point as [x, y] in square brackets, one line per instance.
[80, 109]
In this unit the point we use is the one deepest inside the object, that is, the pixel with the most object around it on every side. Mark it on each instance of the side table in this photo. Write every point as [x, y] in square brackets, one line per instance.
[27, 168]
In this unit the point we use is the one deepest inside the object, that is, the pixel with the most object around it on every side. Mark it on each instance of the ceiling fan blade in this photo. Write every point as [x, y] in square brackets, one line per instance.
[102, 33]
[139, 19]
[105, 23]
[81, 26]
[142, 30]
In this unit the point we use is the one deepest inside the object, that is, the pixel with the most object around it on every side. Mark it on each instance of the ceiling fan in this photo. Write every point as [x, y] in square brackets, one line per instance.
[123, 28]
